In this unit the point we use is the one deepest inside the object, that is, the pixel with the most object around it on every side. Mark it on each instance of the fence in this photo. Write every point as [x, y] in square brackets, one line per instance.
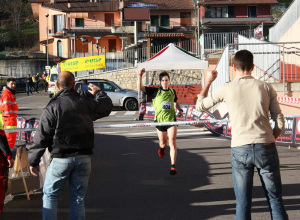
[274, 62]
[214, 43]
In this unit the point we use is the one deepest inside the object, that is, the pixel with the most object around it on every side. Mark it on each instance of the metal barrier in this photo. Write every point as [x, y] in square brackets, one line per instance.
[291, 15]
[274, 62]
[214, 43]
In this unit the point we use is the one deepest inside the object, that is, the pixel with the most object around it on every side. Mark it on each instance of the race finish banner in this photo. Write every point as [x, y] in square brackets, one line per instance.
[83, 63]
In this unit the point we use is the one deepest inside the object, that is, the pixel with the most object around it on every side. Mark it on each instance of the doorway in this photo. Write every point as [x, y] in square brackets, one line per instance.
[112, 45]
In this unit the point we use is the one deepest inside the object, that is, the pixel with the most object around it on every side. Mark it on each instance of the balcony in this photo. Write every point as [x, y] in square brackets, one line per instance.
[56, 34]
[239, 20]
[122, 29]
[95, 25]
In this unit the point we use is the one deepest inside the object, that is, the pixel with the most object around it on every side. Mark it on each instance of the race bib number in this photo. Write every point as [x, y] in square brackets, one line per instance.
[166, 106]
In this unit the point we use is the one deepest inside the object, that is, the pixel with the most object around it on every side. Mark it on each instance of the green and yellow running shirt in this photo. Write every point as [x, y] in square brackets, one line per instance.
[163, 103]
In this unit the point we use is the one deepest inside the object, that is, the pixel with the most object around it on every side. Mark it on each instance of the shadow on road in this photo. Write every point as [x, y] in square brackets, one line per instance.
[129, 181]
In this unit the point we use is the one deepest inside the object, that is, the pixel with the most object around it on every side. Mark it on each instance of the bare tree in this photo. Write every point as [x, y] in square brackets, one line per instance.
[15, 9]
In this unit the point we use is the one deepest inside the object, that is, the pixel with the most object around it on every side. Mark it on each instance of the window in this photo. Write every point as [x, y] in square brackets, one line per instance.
[98, 84]
[252, 13]
[164, 20]
[224, 12]
[185, 19]
[79, 22]
[213, 12]
[59, 48]
[154, 20]
[219, 12]
[53, 77]
[207, 12]
[58, 23]
[109, 20]
[230, 11]
[108, 87]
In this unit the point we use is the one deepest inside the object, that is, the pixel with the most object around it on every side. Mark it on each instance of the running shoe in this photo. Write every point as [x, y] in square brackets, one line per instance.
[161, 152]
[173, 171]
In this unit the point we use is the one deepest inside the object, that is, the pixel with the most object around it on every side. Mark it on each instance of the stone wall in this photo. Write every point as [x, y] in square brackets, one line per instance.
[127, 78]
[20, 68]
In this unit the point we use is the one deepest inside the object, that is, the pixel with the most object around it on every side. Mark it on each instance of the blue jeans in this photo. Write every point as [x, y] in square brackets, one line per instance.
[76, 170]
[28, 89]
[265, 158]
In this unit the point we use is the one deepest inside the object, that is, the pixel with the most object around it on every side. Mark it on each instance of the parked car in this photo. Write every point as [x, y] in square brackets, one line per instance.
[52, 81]
[120, 97]
[20, 85]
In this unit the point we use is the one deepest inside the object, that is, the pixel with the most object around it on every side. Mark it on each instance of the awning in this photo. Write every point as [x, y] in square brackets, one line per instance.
[173, 57]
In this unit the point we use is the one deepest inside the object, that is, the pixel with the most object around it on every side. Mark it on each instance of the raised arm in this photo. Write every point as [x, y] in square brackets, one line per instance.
[203, 104]
[140, 81]
[210, 77]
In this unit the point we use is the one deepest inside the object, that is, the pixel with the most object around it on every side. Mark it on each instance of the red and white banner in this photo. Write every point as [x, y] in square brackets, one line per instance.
[288, 100]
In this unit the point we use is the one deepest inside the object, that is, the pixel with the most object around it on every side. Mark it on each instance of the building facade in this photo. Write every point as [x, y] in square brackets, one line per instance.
[236, 15]
[77, 28]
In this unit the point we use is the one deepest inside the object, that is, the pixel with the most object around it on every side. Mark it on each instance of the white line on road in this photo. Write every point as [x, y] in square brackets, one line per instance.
[154, 132]
[130, 113]
[113, 113]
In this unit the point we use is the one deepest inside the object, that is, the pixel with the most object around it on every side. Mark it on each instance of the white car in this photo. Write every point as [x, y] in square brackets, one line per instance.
[120, 97]
[52, 81]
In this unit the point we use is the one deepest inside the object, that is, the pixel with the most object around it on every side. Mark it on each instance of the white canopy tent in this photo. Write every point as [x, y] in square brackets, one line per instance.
[173, 57]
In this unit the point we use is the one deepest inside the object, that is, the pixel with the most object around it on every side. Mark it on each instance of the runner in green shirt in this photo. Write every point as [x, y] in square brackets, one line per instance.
[164, 100]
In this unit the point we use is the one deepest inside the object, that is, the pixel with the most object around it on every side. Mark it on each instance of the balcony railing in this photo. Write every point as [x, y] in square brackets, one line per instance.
[248, 19]
[95, 25]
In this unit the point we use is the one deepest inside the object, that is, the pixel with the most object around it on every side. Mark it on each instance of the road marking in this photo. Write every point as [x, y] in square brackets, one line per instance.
[113, 113]
[154, 133]
[130, 113]
[149, 132]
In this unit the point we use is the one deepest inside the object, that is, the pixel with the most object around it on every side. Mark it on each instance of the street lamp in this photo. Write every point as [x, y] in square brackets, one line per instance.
[97, 46]
[83, 39]
[47, 15]
[198, 27]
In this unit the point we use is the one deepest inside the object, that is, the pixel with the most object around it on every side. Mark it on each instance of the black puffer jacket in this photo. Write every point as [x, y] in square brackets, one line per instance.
[66, 125]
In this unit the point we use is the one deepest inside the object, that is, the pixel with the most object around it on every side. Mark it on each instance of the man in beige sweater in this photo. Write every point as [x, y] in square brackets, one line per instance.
[249, 102]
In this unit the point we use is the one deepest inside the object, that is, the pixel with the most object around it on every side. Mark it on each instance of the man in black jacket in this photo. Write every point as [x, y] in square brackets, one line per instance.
[66, 129]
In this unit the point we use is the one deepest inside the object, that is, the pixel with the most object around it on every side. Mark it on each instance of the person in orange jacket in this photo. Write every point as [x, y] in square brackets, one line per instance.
[6, 162]
[9, 109]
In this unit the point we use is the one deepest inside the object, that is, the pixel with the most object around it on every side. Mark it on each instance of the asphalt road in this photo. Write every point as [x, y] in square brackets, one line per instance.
[129, 180]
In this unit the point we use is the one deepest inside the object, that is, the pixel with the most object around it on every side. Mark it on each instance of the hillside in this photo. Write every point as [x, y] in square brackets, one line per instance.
[18, 28]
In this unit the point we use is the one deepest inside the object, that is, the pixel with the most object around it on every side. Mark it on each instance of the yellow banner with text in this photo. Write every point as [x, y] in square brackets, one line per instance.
[83, 63]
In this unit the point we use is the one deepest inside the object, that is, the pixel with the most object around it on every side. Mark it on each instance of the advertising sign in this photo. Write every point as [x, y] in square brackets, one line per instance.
[83, 63]
[192, 114]
[286, 135]
[297, 133]
[258, 32]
